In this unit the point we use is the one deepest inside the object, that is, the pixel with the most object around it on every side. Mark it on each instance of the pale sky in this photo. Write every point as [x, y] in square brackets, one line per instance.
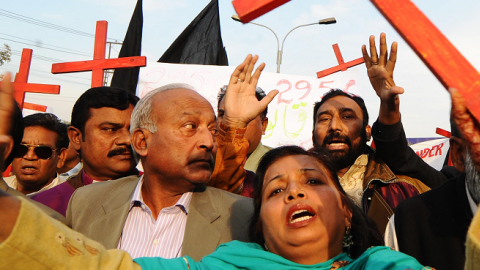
[424, 106]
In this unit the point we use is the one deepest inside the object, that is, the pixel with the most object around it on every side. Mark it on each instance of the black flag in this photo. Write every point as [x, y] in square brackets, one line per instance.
[127, 78]
[201, 42]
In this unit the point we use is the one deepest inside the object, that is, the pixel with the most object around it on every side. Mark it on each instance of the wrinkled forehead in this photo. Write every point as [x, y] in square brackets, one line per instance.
[40, 136]
[176, 102]
[340, 104]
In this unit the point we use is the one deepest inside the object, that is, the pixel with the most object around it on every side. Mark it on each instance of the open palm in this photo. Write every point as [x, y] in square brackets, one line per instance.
[241, 104]
[379, 69]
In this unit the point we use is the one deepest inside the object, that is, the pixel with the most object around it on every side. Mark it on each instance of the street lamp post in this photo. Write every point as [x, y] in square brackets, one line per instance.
[280, 49]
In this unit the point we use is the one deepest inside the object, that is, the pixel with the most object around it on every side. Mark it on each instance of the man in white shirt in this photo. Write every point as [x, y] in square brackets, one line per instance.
[169, 212]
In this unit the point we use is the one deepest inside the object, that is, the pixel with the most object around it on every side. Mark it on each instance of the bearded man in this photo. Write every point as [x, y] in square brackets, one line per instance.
[341, 127]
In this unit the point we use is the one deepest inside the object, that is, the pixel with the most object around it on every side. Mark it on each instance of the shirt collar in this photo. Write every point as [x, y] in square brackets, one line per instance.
[74, 170]
[183, 203]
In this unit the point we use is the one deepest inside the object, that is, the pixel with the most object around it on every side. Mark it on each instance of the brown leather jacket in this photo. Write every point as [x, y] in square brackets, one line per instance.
[383, 190]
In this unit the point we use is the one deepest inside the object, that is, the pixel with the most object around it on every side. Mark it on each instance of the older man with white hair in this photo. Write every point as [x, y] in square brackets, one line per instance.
[169, 211]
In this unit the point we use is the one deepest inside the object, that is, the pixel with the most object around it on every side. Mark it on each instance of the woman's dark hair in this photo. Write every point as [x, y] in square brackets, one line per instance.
[364, 230]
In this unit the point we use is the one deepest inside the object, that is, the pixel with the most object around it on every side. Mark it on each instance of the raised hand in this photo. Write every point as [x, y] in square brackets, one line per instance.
[379, 69]
[241, 104]
[6, 112]
[467, 125]
[380, 73]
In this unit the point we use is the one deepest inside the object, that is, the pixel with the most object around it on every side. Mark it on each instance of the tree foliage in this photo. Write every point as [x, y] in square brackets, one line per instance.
[5, 55]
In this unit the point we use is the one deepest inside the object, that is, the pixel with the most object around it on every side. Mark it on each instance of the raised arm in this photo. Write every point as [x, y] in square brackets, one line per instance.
[7, 104]
[380, 72]
[388, 134]
[241, 107]
[9, 205]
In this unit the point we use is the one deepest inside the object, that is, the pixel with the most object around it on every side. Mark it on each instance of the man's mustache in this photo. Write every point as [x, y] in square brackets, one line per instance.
[208, 157]
[336, 136]
[119, 151]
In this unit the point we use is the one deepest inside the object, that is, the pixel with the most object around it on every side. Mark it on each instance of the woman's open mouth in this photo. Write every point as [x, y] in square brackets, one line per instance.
[299, 215]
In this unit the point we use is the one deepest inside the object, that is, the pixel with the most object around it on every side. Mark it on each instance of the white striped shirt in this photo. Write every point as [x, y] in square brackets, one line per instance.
[143, 236]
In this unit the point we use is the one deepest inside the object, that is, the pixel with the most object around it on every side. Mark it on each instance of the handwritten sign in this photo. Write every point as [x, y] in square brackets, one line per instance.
[290, 114]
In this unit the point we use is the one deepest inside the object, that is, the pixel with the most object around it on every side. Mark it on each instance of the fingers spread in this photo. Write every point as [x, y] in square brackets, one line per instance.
[383, 50]
[268, 98]
[247, 62]
[251, 65]
[373, 50]
[256, 75]
[393, 56]
[366, 57]
[236, 73]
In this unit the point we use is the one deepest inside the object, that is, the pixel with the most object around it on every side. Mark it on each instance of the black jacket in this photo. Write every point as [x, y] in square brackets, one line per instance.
[432, 227]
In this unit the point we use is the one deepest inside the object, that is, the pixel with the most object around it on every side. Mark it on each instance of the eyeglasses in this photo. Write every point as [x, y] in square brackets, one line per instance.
[41, 151]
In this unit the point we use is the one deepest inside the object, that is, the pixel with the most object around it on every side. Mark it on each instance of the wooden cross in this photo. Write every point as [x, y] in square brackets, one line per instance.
[443, 132]
[35, 107]
[448, 134]
[440, 56]
[99, 63]
[249, 10]
[433, 48]
[21, 86]
[342, 66]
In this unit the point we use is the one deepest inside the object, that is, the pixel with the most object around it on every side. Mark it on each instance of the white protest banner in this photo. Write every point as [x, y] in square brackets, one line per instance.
[290, 114]
[433, 152]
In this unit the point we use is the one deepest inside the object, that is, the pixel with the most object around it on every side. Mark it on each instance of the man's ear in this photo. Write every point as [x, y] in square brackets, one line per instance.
[139, 141]
[368, 130]
[264, 125]
[457, 153]
[75, 136]
[62, 156]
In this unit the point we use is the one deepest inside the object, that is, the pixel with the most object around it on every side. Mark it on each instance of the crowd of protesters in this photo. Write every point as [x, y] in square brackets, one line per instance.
[210, 195]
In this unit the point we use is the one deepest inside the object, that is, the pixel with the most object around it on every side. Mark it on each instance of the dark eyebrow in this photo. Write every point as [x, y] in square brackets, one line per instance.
[309, 169]
[106, 123]
[302, 170]
[274, 178]
[343, 110]
[325, 112]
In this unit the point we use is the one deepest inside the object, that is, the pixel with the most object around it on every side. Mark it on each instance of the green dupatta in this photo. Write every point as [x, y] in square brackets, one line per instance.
[239, 255]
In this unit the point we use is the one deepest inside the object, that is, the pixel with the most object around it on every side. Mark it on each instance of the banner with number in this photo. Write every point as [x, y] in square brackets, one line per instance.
[290, 114]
